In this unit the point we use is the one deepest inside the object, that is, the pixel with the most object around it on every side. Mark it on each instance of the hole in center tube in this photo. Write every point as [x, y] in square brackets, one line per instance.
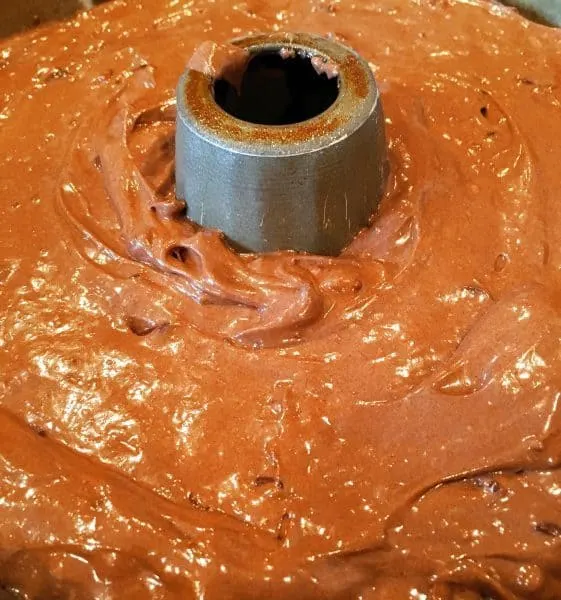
[280, 88]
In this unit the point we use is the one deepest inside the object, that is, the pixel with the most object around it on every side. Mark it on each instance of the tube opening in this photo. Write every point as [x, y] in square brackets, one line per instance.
[280, 88]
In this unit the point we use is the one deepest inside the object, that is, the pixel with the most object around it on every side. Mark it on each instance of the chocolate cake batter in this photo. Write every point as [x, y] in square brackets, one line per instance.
[178, 421]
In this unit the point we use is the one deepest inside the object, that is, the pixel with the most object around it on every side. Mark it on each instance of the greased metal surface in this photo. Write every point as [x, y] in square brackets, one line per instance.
[179, 421]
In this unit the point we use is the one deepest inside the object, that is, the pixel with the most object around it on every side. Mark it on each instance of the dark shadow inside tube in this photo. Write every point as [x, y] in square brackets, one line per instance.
[278, 90]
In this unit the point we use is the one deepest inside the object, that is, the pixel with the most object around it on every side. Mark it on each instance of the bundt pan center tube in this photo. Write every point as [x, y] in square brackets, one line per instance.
[286, 151]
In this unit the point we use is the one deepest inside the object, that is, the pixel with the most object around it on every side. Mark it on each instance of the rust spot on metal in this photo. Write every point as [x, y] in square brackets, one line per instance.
[199, 99]
[355, 77]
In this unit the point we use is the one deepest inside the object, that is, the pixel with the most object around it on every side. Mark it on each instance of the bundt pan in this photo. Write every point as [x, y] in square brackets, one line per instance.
[20, 15]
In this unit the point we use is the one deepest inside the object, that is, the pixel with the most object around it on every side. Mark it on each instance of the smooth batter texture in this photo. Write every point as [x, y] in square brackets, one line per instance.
[180, 422]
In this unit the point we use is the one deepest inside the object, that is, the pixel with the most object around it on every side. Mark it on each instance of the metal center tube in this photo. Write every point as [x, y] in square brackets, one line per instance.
[294, 158]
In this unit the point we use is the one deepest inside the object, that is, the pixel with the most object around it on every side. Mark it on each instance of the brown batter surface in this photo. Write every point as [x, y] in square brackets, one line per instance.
[178, 421]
